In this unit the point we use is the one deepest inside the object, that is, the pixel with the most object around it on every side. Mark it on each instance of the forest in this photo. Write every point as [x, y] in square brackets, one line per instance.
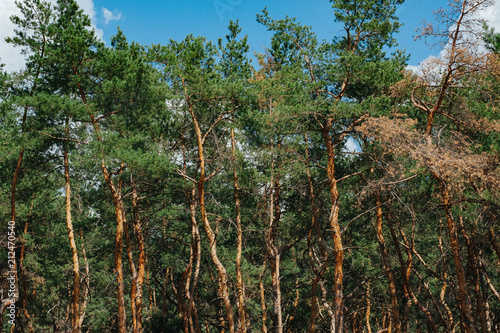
[183, 188]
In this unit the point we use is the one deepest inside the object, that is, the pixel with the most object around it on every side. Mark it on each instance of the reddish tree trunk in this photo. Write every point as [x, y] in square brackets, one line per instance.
[336, 232]
[75, 322]
[239, 278]
[387, 265]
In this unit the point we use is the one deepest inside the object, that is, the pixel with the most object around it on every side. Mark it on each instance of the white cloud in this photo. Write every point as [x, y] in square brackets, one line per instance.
[492, 15]
[11, 56]
[470, 39]
[111, 15]
[88, 8]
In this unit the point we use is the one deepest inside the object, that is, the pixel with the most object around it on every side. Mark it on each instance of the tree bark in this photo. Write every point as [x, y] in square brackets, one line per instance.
[262, 295]
[323, 263]
[221, 270]
[141, 271]
[133, 270]
[117, 202]
[239, 246]
[387, 265]
[75, 322]
[336, 232]
[467, 321]
[273, 250]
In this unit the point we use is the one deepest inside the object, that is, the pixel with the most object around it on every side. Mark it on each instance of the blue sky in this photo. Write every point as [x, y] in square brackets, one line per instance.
[153, 22]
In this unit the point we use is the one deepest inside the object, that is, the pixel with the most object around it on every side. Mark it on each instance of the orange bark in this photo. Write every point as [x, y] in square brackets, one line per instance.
[142, 256]
[239, 278]
[221, 270]
[75, 322]
[117, 202]
[133, 284]
[338, 249]
[467, 321]
[387, 265]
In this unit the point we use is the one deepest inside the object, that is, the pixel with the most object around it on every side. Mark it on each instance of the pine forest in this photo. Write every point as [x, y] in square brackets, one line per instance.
[320, 186]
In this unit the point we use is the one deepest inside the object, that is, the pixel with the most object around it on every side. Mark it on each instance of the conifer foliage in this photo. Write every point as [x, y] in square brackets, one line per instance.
[179, 188]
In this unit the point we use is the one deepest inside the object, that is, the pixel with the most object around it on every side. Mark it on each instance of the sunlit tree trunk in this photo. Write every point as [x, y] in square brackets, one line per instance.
[336, 233]
[221, 270]
[239, 246]
[119, 213]
[387, 265]
[75, 322]
[141, 270]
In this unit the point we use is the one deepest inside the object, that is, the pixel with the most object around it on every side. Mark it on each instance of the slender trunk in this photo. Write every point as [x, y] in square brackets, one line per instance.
[83, 306]
[117, 201]
[387, 265]
[323, 262]
[116, 198]
[273, 250]
[181, 304]
[473, 262]
[191, 276]
[467, 321]
[336, 232]
[484, 290]
[75, 322]
[368, 307]
[141, 271]
[449, 314]
[405, 273]
[239, 246]
[275, 256]
[263, 305]
[133, 270]
[221, 270]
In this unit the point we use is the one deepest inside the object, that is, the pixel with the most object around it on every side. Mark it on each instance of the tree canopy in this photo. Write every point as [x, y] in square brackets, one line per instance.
[180, 188]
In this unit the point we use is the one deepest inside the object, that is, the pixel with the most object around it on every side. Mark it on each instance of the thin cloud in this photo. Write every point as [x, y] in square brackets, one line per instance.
[9, 55]
[492, 16]
[111, 15]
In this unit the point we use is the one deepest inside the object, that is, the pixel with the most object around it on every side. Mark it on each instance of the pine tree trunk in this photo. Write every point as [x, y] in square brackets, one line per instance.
[116, 198]
[336, 233]
[75, 322]
[221, 270]
[368, 307]
[323, 264]
[133, 270]
[192, 279]
[239, 278]
[119, 212]
[387, 265]
[141, 271]
[263, 306]
[274, 254]
[465, 306]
